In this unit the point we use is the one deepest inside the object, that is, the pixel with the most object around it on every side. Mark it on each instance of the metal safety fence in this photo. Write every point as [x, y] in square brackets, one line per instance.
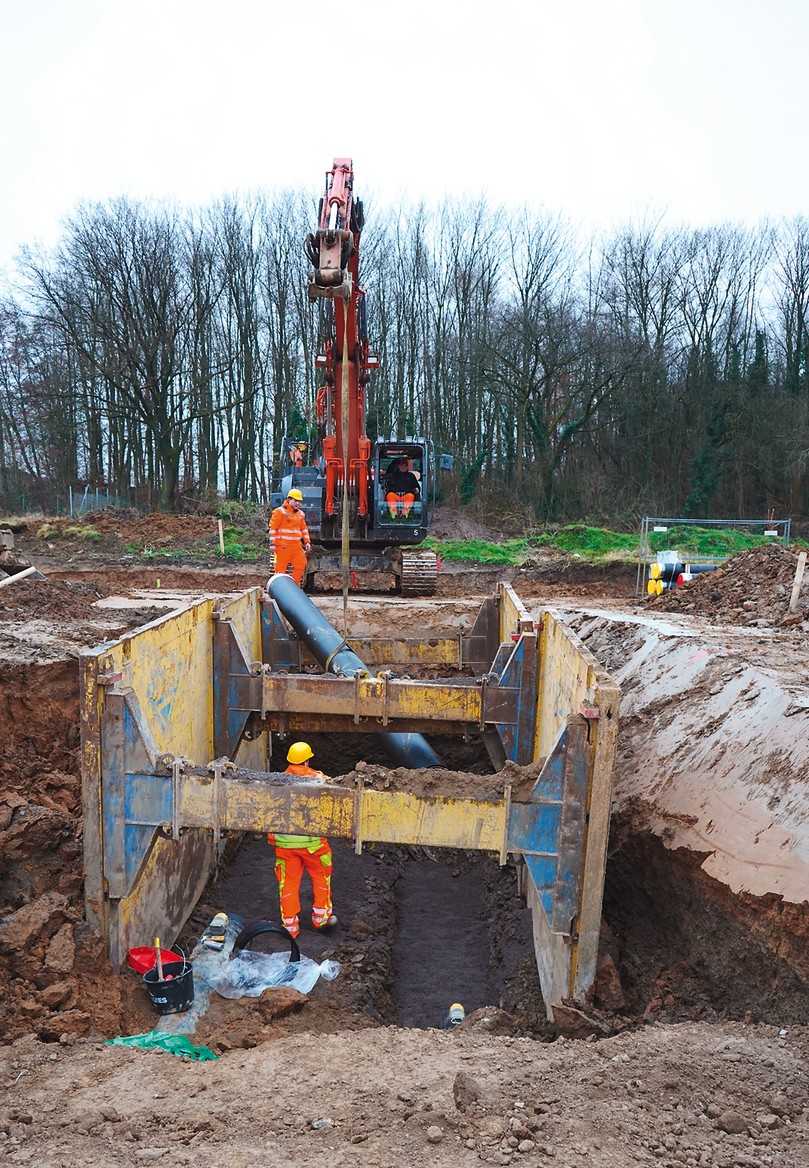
[777, 530]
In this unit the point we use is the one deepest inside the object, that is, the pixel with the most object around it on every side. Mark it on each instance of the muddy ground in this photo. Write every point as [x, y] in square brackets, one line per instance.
[182, 550]
[693, 1095]
[697, 971]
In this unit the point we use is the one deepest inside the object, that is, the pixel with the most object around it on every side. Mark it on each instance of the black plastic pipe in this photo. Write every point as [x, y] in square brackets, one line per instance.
[331, 651]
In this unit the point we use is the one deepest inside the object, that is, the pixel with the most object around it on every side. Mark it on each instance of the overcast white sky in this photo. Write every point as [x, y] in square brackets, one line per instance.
[605, 109]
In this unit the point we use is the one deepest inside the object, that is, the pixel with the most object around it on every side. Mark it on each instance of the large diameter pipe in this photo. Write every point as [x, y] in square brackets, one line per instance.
[331, 651]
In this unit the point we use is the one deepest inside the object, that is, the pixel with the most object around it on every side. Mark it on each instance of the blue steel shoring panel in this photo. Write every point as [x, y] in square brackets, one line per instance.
[229, 665]
[148, 803]
[549, 830]
[511, 675]
[125, 751]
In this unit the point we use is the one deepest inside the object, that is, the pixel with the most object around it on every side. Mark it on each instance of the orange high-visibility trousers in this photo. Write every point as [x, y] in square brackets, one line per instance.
[290, 556]
[400, 504]
[290, 864]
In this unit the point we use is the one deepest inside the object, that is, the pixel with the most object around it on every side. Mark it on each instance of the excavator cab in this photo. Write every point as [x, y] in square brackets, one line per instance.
[401, 492]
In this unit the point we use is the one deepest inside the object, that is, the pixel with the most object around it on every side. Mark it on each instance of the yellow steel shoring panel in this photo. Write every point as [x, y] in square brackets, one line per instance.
[168, 664]
[398, 817]
[372, 697]
[254, 804]
[511, 611]
[568, 675]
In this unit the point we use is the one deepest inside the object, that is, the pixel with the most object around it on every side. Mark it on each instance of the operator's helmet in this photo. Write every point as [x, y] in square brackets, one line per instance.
[295, 494]
[302, 446]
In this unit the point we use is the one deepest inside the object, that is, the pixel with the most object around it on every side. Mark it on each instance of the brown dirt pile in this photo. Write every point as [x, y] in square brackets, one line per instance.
[729, 1096]
[157, 527]
[752, 588]
[114, 535]
[66, 601]
[54, 979]
[57, 598]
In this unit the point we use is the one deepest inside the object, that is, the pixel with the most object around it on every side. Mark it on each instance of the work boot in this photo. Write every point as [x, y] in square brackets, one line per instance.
[321, 920]
[292, 926]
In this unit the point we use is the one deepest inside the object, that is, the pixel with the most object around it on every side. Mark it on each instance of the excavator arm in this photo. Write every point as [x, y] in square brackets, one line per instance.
[334, 253]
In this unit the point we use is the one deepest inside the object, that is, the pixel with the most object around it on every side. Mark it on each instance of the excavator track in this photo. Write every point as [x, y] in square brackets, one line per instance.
[419, 574]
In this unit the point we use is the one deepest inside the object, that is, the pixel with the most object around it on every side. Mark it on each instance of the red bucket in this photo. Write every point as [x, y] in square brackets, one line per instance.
[144, 958]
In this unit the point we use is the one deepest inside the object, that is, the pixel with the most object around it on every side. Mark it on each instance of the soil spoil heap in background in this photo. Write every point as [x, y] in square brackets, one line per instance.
[752, 588]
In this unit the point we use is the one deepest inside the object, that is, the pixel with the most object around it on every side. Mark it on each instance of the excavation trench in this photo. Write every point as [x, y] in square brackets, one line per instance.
[419, 929]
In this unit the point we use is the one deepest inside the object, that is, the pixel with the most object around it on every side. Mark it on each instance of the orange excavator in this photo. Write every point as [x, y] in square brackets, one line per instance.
[387, 481]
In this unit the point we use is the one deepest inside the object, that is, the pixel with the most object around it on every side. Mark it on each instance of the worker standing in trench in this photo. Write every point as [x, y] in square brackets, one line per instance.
[296, 854]
[289, 537]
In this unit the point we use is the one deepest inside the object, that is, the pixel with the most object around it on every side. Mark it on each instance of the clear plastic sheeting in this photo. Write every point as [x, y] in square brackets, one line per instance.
[247, 975]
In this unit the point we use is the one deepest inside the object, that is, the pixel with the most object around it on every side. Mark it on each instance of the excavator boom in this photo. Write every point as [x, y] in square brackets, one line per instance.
[384, 522]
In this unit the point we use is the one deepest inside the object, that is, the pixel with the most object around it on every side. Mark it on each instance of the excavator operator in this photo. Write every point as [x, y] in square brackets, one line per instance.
[297, 455]
[401, 488]
[289, 537]
[296, 854]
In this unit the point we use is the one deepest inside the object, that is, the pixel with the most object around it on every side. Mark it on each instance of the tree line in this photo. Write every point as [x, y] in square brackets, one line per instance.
[162, 354]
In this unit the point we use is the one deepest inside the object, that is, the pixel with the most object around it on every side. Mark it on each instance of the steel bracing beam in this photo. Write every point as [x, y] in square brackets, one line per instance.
[243, 688]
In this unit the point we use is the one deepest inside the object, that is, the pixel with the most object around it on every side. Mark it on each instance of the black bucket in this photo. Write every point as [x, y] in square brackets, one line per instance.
[175, 996]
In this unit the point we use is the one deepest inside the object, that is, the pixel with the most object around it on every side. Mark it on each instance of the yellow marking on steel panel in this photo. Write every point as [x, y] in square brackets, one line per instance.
[255, 805]
[568, 674]
[401, 651]
[398, 817]
[449, 703]
[366, 698]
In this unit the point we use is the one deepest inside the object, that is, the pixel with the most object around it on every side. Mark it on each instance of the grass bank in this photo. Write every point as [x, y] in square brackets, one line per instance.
[599, 544]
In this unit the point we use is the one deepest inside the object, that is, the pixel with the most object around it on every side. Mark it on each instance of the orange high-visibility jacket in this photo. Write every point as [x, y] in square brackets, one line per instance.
[287, 525]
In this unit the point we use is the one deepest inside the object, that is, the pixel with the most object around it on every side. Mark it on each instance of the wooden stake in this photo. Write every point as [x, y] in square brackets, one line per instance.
[345, 556]
[797, 582]
[159, 961]
[221, 538]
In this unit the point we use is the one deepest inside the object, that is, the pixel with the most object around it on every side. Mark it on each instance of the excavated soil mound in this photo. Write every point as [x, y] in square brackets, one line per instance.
[439, 782]
[58, 598]
[155, 528]
[54, 979]
[753, 588]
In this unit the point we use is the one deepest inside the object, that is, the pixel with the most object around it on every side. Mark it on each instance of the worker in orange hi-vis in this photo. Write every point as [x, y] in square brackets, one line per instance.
[289, 537]
[296, 854]
[401, 489]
